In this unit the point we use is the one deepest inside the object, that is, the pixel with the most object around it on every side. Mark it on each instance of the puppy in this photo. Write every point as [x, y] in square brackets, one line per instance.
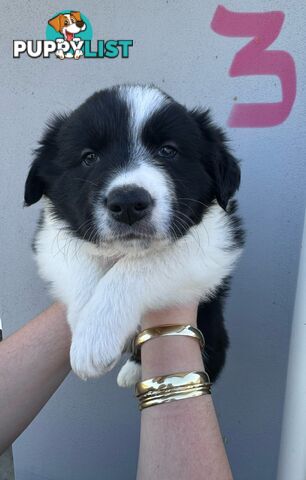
[137, 216]
[68, 24]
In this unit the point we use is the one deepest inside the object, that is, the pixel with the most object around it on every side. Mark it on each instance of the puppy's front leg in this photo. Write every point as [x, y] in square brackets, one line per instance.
[105, 323]
[123, 295]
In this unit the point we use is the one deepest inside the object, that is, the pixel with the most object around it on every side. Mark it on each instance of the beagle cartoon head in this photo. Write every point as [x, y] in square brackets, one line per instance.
[68, 24]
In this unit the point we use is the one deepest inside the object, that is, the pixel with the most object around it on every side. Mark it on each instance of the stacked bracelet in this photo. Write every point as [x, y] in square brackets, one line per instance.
[168, 388]
[177, 386]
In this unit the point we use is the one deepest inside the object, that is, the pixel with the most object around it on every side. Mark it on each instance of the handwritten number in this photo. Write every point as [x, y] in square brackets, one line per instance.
[254, 59]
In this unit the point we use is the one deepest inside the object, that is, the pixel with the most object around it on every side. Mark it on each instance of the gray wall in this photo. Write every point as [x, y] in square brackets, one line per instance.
[90, 430]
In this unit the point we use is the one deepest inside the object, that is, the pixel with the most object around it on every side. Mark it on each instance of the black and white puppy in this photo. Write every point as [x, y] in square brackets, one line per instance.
[137, 216]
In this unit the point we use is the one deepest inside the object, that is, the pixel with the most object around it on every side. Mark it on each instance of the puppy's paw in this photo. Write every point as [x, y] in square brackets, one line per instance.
[60, 54]
[90, 354]
[129, 374]
[78, 54]
[100, 332]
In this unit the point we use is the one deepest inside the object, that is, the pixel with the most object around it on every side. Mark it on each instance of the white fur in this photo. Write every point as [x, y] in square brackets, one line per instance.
[129, 374]
[142, 101]
[107, 298]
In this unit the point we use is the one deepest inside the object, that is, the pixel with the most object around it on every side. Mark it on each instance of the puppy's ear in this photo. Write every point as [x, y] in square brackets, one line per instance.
[35, 186]
[55, 23]
[76, 15]
[221, 164]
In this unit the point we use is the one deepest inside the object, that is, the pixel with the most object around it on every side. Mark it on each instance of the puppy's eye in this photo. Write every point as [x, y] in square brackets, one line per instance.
[66, 23]
[89, 158]
[167, 151]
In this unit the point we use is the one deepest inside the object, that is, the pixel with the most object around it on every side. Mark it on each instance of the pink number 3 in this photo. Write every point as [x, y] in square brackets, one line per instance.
[254, 59]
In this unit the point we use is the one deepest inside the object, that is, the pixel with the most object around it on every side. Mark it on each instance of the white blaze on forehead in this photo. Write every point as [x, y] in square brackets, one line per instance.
[157, 183]
[67, 15]
[142, 101]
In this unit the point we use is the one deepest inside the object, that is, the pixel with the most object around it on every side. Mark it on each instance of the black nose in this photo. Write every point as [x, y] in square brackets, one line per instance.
[79, 23]
[129, 204]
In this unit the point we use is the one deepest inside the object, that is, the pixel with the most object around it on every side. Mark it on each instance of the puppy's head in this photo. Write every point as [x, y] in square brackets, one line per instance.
[68, 24]
[132, 169]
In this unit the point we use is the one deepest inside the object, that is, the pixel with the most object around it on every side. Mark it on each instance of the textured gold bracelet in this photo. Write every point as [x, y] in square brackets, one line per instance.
[165, 331]
[168, 388]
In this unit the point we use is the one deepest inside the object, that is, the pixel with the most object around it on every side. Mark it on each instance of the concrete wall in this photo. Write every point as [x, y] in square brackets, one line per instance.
[90, 430]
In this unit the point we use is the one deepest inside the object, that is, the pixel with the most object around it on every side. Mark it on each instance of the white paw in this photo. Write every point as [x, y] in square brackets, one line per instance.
[100, 332]
[60, 54]
[78, 54]
[93, 352]
[129, 374]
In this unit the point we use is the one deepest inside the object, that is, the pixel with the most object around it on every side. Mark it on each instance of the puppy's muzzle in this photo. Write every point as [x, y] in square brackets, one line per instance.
[129, 204]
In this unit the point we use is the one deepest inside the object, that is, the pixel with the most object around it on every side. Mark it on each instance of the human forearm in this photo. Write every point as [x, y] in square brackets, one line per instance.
[180, 439]
[34, 362]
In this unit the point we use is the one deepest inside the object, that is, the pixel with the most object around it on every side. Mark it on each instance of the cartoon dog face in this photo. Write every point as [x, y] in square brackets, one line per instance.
[68, 24]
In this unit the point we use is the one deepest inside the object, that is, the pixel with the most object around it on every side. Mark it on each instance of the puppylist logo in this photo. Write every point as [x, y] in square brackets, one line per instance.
[69, 36]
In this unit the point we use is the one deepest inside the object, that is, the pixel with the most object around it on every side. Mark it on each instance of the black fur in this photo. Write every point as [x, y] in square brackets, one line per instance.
[211, 323]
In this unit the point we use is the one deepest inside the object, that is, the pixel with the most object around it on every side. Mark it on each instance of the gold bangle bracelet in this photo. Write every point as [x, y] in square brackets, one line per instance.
[166, 330]
[151, 402]
[168, 388]
[174, 380]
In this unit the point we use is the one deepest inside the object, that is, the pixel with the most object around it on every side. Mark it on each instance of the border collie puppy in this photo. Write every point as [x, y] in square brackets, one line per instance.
[137, 216]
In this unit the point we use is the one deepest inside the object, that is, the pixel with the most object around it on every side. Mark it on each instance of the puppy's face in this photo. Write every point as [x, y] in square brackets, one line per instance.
[132, 169]
[68, 24]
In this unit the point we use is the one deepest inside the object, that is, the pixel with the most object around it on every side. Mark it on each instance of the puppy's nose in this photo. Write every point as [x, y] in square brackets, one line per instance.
[79, 23]
[129, 204]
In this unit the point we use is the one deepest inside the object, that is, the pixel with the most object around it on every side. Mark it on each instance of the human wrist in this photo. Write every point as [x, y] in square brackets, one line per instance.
[165, 355]
[181, 315]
